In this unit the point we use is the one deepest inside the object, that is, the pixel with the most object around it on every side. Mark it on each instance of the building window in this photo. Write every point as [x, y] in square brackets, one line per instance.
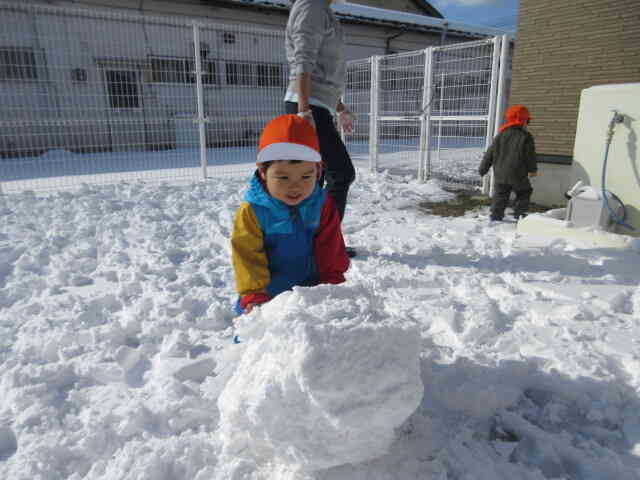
[254, 74]
[269, 75]
[209, 76]
[239, 74]
[359, 79]
[122, 86]
[167, 70]
[401, 79]
[17, 64]
[229, 38]
[181, 70]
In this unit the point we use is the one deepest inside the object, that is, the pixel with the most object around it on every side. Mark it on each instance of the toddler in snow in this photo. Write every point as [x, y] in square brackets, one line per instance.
[513, 157]
[287, 230]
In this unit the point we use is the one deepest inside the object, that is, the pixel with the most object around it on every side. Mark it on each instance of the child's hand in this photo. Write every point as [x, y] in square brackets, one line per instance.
[533, 174]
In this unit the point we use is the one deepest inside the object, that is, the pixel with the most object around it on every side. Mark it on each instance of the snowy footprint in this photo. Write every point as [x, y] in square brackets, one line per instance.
[8, 443]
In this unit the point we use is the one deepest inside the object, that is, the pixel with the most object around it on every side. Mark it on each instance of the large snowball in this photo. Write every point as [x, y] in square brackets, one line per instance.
[324, 379]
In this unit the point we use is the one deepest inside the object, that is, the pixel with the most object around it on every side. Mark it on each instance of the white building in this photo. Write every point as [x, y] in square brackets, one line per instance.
[110, 75]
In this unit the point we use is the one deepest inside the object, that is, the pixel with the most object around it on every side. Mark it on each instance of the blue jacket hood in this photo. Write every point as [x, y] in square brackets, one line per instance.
[279, 211]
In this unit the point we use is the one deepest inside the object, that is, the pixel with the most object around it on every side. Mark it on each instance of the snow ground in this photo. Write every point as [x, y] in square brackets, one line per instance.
[456, 161]
[456, 350]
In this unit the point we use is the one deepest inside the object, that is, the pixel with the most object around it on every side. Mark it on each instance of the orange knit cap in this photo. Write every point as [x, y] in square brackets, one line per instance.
[289, 137]
[515, 115]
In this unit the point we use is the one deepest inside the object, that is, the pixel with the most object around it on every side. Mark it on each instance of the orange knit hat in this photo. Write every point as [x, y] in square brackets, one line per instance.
[515, 115]
[289, 137]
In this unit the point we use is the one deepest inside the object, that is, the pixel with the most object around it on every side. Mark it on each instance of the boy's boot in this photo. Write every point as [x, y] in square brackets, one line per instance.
[521, 204]
[500, 200]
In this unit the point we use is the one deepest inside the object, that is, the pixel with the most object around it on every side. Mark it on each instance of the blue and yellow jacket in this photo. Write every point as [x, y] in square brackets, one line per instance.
[276, 246]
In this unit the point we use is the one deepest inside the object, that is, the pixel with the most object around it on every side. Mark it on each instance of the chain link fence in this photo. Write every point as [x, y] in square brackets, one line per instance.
[91, 96]
[429, 113]
[100, 97]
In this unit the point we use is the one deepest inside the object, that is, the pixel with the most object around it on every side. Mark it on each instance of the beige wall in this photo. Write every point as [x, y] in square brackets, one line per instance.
[623, 164]
[563, 47]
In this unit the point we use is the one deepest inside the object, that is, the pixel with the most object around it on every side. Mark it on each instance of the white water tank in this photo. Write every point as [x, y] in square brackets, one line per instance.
[586, 209]
[623, 167]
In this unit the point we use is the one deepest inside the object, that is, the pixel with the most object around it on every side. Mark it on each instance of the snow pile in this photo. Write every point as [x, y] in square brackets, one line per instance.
[324, 380]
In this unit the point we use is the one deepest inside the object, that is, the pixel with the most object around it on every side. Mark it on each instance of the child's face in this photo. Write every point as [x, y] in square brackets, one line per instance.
[290, 183]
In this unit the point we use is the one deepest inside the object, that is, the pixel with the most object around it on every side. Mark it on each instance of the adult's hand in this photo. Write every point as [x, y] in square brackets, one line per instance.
[308, 116]
[345, 120]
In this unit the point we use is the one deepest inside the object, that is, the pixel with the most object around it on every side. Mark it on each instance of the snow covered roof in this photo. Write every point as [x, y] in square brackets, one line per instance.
[429, 9]
[366, 14]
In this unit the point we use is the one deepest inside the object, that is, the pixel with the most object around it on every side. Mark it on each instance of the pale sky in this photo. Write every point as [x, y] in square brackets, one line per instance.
[494, 13]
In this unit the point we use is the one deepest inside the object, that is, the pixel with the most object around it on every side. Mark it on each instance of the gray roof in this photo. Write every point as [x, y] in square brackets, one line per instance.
[379, 16]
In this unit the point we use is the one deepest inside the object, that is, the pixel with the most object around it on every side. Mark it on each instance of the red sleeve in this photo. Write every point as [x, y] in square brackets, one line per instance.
[331, 255]
[255, 298]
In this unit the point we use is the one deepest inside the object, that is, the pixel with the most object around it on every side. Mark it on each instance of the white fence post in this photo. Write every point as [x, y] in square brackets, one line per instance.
[201, 119]
[373, 118]
[440, 115]
[501, 96]
[424, 167]
[487, 181]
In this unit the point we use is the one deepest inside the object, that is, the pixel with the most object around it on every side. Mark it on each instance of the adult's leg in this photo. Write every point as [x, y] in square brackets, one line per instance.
[338, 168]
[521, 204]
[501, 192]
[290, 107]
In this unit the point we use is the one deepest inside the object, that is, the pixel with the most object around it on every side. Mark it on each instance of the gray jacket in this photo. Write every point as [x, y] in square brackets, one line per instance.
[314, 43]
[513, 156]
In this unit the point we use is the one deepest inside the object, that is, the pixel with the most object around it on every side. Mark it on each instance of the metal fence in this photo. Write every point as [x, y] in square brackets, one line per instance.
[358, 99]
[93, 96]
[429, 113]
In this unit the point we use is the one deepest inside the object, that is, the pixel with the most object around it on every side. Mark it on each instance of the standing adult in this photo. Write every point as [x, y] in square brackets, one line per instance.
[315, 51]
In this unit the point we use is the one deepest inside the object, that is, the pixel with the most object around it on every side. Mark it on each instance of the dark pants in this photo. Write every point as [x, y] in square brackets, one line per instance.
[338, 170]
[501, 193]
